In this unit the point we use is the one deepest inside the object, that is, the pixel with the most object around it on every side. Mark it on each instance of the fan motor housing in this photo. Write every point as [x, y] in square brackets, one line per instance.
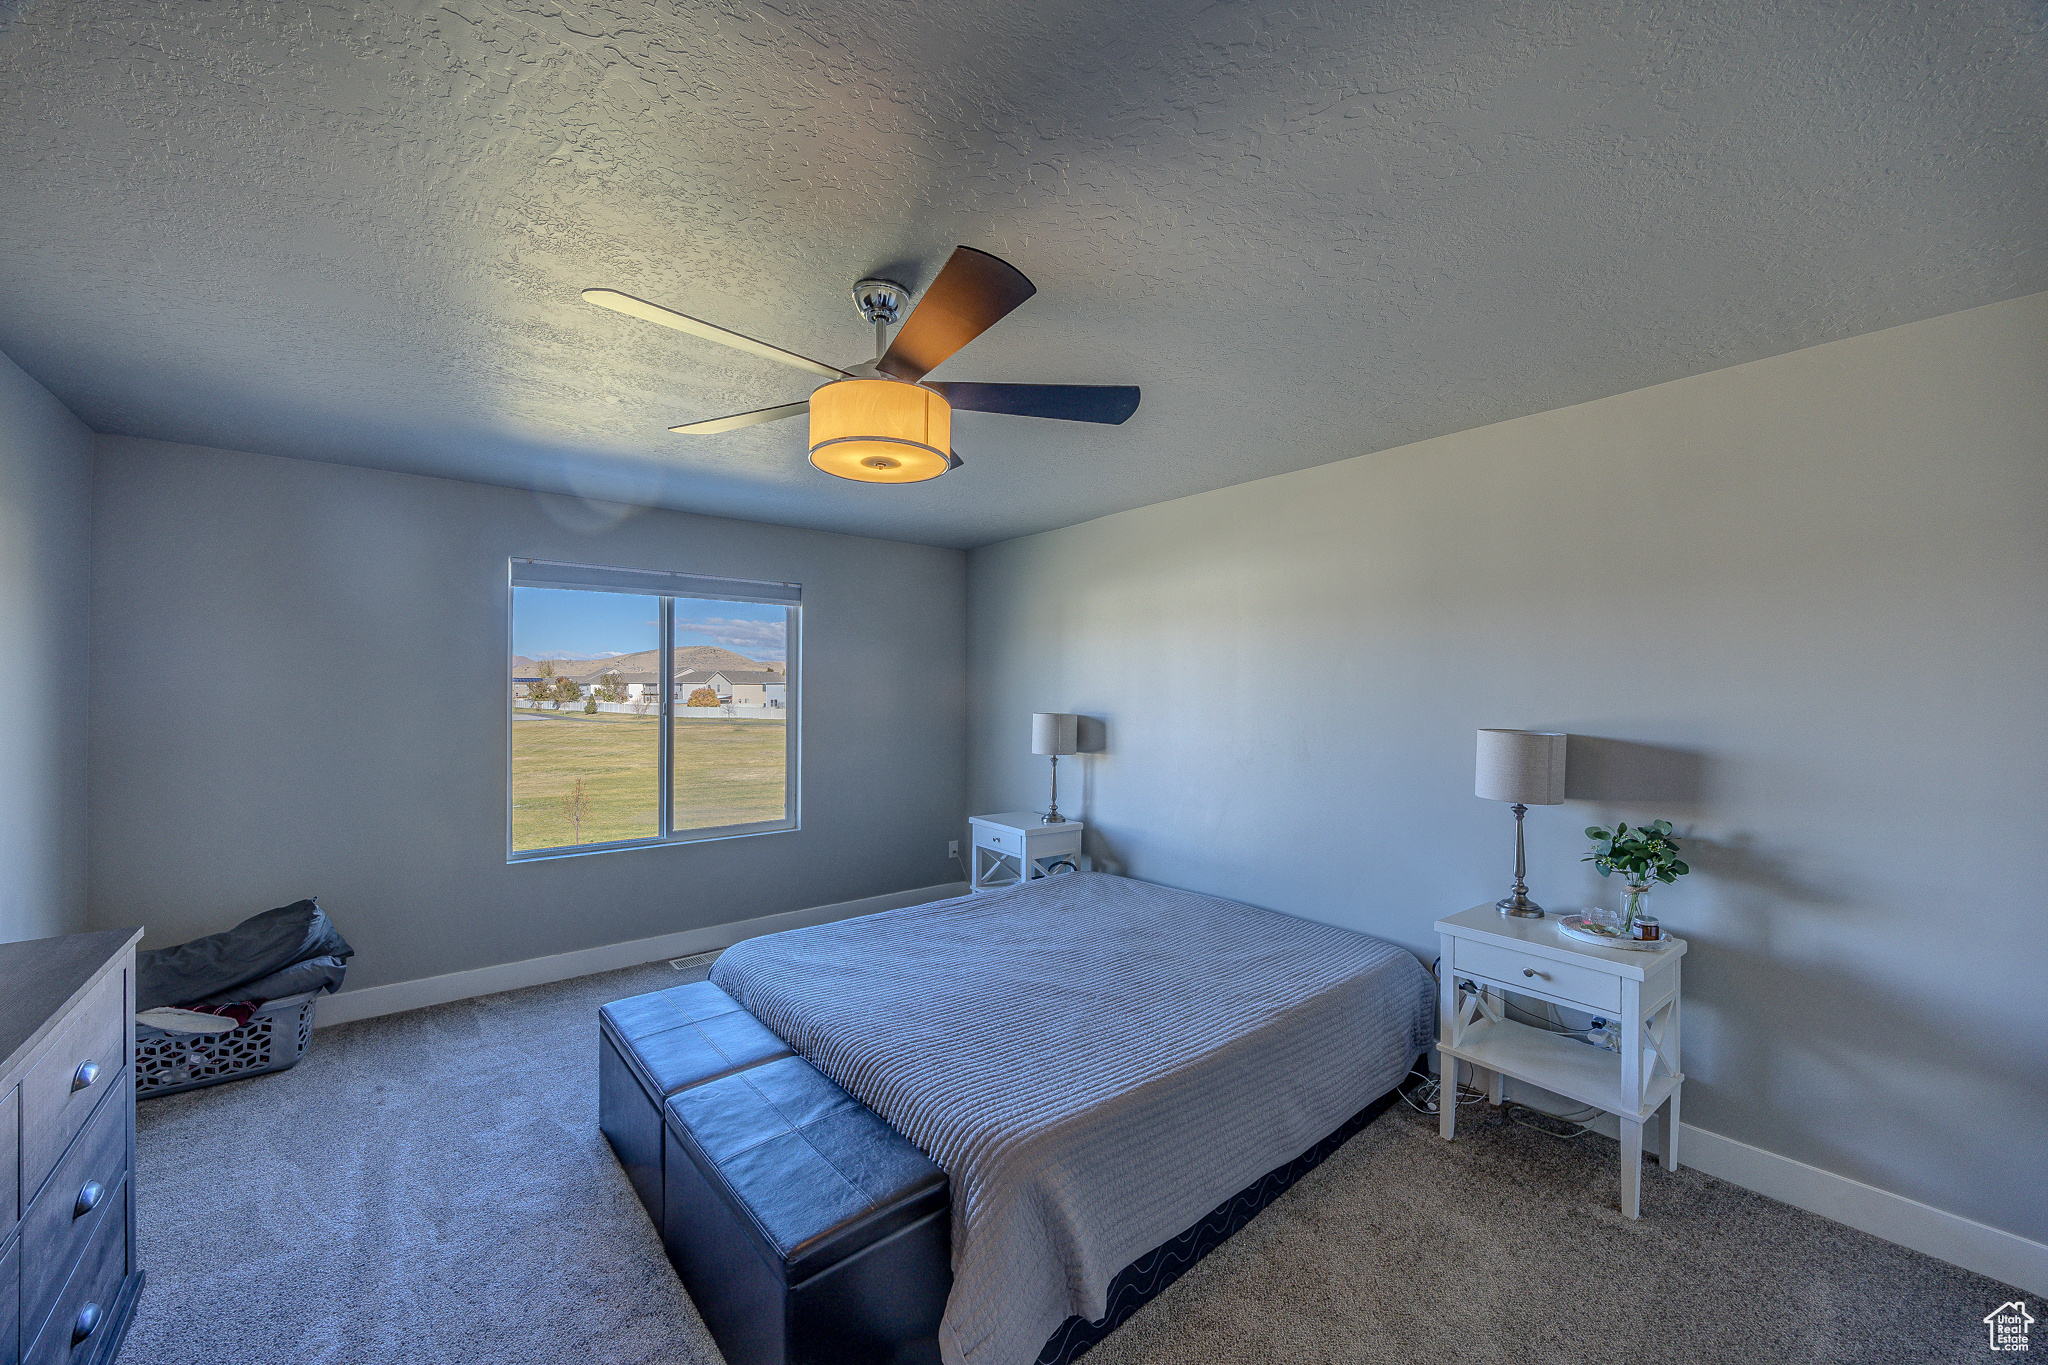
[880, 301]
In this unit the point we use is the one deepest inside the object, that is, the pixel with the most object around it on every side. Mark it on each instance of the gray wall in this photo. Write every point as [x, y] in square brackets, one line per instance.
[242, 756]
[45, 531]
[1799, 607]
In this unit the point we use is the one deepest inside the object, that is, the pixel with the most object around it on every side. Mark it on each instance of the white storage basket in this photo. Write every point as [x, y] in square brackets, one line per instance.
[274, 1038]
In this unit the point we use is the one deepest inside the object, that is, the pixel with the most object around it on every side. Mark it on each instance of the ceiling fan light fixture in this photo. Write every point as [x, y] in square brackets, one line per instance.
[881, 421]
[880, 431]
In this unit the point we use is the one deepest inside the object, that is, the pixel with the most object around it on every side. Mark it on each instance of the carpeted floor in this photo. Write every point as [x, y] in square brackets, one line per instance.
[432, 1187]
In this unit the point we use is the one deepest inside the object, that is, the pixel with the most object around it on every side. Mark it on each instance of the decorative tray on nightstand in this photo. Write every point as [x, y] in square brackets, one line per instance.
[1587, 931]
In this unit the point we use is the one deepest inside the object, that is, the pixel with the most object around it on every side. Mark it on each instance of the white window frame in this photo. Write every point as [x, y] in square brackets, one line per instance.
[667, 587]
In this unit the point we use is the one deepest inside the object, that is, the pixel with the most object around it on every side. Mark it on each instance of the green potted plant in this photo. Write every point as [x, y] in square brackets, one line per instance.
[1643, 856]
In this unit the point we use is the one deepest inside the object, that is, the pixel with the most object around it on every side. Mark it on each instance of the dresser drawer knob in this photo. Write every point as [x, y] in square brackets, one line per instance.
[88, 1323]
[87, 1073]
[1531, 971]
[89, 1196]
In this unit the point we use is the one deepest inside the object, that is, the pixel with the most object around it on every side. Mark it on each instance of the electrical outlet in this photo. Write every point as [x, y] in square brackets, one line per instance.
[952, 848]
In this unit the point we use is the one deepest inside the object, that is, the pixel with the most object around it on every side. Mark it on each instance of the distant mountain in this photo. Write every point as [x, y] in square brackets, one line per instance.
[704, 658]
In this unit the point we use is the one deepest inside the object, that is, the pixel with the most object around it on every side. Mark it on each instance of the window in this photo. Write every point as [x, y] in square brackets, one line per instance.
[648, 708]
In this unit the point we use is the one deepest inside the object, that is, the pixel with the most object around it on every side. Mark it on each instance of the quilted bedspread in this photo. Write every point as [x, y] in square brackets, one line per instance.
[1095, 1061]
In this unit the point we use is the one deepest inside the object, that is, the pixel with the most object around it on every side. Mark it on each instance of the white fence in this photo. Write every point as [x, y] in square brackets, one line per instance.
[626, 708]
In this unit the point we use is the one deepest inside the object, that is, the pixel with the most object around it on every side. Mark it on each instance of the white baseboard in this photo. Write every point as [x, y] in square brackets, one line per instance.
[2003, 1256]
[371, 1001]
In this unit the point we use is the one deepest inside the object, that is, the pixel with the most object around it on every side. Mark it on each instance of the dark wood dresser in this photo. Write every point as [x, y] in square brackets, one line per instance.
[68, 1280]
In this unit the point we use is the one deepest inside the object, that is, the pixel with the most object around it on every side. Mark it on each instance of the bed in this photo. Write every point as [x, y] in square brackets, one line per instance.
[1101, 1066]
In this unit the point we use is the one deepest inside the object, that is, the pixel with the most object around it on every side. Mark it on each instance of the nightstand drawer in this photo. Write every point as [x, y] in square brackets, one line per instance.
[1561, 981]
[1016, 843]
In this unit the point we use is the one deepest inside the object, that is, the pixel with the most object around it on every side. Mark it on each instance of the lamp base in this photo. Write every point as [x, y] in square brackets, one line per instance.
[1516, 904]
[1052, 818]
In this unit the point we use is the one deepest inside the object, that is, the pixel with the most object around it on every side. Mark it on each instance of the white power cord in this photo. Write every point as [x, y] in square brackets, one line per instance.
[1428, 1097]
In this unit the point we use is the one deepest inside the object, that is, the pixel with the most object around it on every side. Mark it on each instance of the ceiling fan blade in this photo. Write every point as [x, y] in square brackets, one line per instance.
[696, 327]
[972, 294]
[1109, 404]
[743, 419]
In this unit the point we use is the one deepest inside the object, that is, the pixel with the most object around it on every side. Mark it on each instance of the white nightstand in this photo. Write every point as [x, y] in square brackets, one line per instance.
[1637, 990]
[1018, 847]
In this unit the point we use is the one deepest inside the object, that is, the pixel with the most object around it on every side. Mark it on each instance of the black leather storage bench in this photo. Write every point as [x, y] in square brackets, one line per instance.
[651, 1046]
[805, 1228]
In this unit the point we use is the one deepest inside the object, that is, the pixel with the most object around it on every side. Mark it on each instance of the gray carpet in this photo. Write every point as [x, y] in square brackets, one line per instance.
[432, 1187]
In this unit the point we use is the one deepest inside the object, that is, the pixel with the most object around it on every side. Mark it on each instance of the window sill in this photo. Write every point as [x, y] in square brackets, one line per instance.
[539, 855]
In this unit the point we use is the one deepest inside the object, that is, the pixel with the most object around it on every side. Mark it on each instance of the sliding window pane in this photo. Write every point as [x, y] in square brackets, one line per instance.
[586, 718]
[732, 709]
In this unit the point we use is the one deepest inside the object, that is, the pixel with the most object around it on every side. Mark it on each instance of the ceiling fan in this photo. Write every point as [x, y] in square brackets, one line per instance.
[881, 421]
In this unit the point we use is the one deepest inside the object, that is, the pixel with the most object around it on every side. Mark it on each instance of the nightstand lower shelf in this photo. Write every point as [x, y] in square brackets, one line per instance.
[1562, 1065]
[1497, 1045]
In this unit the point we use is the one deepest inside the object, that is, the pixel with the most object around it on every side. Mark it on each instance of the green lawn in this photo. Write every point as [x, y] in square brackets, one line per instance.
[728, 772]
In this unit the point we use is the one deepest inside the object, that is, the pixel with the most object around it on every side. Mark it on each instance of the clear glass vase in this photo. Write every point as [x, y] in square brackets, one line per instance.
[1635, 902]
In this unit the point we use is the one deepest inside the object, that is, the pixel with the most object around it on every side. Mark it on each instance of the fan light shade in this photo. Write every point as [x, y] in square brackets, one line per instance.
[881, 431]
[1054, 732]
[1523, 766]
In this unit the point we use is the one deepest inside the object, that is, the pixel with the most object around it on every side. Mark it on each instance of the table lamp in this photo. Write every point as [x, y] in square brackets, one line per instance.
[1054, 733]
[1527, 768]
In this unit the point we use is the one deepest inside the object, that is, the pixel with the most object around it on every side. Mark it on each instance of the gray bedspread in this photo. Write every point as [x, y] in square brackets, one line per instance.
[1095, 1061]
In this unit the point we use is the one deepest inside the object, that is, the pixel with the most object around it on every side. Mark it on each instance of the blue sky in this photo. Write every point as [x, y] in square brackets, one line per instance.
[560, 623]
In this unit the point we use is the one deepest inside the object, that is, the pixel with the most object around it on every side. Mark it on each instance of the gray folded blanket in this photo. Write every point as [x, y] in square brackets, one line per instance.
[314, 974]
[286, 951]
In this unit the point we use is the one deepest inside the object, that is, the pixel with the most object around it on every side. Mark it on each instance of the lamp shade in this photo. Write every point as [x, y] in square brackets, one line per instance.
[880, 431]
[1523, 766]
[1054, 732]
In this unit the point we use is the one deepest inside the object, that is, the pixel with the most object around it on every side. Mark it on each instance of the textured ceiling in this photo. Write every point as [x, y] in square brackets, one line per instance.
[356, 232]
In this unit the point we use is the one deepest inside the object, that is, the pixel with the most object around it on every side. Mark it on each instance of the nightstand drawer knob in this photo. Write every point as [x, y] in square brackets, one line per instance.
[87, 1073]
[1531, 971]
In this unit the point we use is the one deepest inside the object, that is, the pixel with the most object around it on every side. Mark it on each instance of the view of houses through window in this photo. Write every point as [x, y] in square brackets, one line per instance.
[588, 730]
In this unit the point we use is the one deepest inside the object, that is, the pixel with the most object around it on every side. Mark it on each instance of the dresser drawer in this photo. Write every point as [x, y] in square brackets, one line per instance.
[1560, 981]
[63, 1215]
[10, 1158]
[10, 1306]
[65, 1086]
[85, 1307]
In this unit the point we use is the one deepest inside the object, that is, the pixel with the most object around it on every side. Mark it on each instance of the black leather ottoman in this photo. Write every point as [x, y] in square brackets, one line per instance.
[805, 1228]
[651, 1046]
